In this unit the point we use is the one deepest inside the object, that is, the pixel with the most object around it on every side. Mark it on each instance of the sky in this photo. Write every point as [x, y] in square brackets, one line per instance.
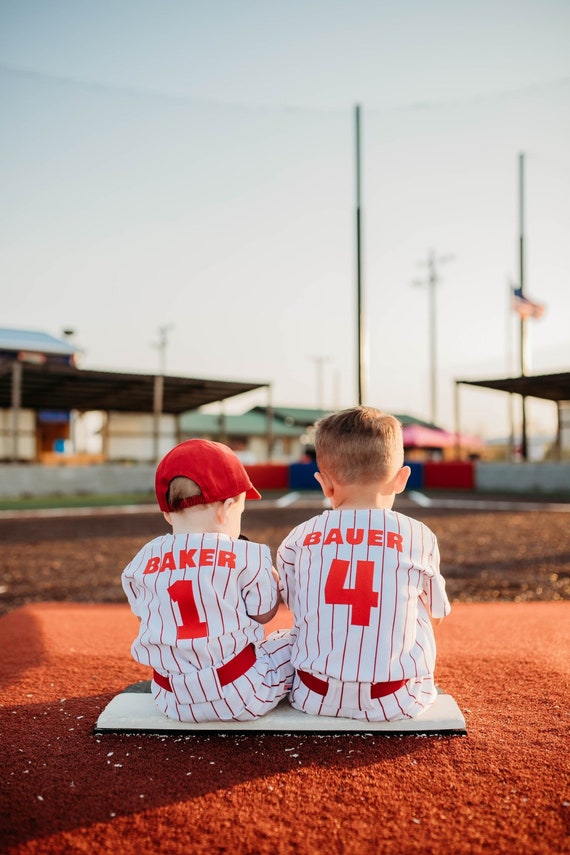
[184, 172]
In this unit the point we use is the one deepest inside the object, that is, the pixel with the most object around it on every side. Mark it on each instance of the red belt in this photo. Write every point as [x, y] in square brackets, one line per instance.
[227, 673]
[377, 690]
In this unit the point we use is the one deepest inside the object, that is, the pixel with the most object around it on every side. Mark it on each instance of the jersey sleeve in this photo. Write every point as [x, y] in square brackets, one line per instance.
[132, 590]
[286, 570]
[260, 590]
[434, 593]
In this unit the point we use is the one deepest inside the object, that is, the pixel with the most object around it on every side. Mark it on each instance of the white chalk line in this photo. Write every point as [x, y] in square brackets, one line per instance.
[486, 504]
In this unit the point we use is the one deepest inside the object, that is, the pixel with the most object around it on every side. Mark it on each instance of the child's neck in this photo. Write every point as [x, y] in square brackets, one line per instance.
[197, 520]
[356, 497]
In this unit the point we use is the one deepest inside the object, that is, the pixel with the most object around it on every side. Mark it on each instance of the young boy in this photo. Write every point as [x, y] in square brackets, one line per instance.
[362, 580]
[202, 594]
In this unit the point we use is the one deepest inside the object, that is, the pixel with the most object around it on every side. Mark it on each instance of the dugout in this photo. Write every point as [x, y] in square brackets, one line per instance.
[549, 387]
[41, 387]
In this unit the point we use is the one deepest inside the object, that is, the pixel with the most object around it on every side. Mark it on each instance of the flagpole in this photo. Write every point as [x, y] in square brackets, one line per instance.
[510, 365]
[524, 443]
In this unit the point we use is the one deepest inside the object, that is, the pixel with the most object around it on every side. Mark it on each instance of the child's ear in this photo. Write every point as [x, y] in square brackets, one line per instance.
[223, 509]
[402, 479]
[167, 517]
[325, 482]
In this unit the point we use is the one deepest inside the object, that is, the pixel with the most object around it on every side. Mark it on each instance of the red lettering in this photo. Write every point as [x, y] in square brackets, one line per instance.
[207, 557]
[395, 540]
[375, 537]
[354, 535]
[152, 565]
[186, 558]
[168, 562]
[227, 559]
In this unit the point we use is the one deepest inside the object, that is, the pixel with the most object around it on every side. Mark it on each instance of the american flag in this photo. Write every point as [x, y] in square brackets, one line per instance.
[524, 307]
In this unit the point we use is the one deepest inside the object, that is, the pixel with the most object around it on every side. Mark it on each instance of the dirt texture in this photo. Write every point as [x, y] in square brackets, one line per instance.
[503, 654]
[486, 555]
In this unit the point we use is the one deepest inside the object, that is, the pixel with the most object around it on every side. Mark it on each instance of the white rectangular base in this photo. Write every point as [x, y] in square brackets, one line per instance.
[135, 712]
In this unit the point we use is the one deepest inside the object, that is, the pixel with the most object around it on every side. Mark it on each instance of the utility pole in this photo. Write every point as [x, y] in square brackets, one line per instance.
[161, 346]
[360, 335]
[431, 282]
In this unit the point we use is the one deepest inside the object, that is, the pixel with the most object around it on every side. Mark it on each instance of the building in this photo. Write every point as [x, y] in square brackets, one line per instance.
[48, 406]
[44, 396]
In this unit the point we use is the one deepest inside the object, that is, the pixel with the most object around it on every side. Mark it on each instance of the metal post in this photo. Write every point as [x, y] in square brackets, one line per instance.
[457, 423]
[361, 358]
[222, 425]
[157, 411]
[159, 388]
[270, 427]
[319, 364]
[524, 441]
[432, 282]
[16, 406]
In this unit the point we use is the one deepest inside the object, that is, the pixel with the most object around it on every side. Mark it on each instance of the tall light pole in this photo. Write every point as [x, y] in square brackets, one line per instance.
[431, 282]
[360, 332]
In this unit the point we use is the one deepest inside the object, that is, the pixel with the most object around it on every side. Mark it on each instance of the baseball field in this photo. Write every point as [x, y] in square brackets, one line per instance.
[503, 654]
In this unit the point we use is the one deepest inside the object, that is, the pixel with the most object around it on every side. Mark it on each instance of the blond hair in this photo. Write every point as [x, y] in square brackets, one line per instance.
[179, 489]
[359, 445]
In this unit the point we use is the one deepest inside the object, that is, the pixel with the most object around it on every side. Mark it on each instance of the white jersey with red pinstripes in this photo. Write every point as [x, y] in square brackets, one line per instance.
[194, 594]
[362, 585]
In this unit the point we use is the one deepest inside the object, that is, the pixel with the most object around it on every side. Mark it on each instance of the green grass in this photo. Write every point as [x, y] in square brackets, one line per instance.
[86, 501]
[92, 501]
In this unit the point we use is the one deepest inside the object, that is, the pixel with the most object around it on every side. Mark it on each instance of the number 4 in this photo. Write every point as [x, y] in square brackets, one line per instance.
[362, 597]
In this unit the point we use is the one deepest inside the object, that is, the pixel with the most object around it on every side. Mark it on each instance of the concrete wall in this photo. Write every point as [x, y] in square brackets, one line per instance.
[33, 479]
[26, 437]
[25, 480]
[523, 477]
[130, 436]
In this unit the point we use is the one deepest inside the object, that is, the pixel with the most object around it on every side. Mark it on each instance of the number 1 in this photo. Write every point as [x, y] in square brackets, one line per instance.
[182, 592]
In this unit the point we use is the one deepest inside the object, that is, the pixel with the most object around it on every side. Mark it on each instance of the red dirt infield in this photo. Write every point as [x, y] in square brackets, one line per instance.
[503, 788]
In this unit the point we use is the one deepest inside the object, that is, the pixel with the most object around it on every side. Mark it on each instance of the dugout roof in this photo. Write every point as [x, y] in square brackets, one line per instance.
[551, 387]
[64, 387]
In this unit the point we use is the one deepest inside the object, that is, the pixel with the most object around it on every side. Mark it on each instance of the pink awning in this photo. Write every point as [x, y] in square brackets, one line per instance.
[418, 436]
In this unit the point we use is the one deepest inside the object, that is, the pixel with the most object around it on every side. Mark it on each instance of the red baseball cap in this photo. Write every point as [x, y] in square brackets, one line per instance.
[214, 467]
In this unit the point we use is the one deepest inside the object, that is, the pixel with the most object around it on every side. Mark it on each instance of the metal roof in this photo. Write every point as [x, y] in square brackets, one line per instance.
[306, 417]
[62, 387]
[551, 387]
[14, 341]
[252, 423]
[300, 416]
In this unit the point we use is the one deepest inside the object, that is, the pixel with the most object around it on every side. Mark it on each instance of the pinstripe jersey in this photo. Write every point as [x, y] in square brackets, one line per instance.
[362, 585]
[194, 594]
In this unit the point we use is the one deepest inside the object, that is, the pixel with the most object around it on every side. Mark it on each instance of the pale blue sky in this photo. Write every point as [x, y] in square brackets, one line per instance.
[192, 164]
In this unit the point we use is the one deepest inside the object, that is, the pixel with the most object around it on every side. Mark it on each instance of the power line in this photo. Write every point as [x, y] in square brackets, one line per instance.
[534, 88]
